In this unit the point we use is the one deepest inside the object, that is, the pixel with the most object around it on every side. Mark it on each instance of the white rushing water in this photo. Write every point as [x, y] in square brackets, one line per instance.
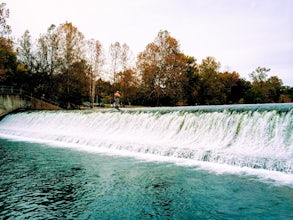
[255, 140]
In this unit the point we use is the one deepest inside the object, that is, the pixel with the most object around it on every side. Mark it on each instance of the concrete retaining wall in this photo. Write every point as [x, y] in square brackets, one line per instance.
[10, 103]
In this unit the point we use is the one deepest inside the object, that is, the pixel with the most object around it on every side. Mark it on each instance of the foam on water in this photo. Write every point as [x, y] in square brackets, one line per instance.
[242, 141]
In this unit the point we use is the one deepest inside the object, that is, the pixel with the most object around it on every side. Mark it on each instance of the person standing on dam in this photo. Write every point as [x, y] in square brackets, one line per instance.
[117, 96]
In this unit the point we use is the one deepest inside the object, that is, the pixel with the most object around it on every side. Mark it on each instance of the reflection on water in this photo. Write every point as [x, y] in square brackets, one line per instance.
[41, 182]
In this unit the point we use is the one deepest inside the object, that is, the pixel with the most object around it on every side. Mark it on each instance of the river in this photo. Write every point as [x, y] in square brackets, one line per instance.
[206, 162]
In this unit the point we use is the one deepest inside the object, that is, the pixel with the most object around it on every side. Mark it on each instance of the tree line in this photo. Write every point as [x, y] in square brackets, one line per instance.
[63, 66]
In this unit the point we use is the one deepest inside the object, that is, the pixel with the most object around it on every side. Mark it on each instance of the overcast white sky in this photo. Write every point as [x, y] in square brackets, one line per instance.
[240, 34]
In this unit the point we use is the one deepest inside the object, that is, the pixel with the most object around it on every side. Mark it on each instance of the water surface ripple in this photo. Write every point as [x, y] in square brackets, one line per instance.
[43, 182]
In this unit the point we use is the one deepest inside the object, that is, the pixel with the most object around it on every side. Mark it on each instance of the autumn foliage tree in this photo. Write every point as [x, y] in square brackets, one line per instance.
[8, 62]
[95, 58]
[211, 87]
[232, 87]
[114, 52]
[192, 83]
[161, 66]
[129, 85]
[56, 66]
[48, 61]
[71, 54]
[264, 89]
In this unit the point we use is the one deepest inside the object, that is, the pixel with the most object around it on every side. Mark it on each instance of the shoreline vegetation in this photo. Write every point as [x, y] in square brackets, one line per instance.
[63, 66]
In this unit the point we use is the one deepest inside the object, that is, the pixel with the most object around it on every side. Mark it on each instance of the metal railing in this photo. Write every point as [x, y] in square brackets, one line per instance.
[9, 90]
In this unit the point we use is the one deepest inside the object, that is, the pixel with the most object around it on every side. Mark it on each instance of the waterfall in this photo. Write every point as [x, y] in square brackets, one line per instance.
[248, 136]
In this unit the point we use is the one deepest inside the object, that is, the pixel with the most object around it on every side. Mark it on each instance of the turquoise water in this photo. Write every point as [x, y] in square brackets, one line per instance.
[205, 162]
[38, 181]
